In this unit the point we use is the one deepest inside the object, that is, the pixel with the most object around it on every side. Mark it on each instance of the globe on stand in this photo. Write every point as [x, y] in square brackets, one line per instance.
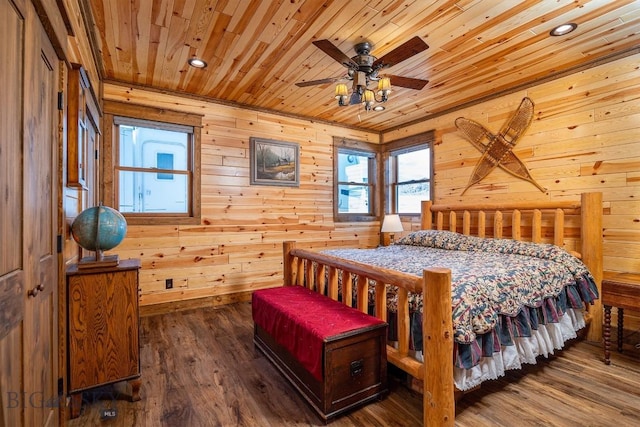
[99, 228]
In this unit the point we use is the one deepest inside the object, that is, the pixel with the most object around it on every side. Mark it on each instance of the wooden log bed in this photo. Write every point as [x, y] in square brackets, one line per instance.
[547, 222]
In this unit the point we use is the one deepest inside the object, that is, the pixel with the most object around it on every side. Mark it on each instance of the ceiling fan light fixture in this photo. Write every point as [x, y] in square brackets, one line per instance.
[563, 29]
[368, 99]
[342, 94]
[379, 108]
[384, 88]
[363, 69]
[197, 62]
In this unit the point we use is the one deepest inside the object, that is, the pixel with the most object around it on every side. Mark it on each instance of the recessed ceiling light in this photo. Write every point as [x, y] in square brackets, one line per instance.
[563, 29]
[197, 63]
[378, 108]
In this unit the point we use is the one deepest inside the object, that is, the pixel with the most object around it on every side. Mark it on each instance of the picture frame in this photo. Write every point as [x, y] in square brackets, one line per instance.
[274, 162]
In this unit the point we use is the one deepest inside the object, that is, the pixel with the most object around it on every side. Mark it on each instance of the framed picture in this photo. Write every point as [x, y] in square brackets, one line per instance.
[274, 162]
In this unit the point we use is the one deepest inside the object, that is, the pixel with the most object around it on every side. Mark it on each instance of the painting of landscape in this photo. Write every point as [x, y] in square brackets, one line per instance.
[274, 162]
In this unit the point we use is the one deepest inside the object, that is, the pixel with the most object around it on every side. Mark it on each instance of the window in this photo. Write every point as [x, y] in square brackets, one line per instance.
[148, 180]
[355, 179]
[410, 173]
[155, 165]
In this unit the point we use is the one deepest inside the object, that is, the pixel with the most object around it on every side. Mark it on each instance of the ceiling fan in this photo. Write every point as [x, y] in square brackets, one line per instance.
[364, 69]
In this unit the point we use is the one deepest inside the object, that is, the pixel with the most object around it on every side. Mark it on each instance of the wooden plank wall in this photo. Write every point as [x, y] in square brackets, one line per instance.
[585, 136]
[237, 248]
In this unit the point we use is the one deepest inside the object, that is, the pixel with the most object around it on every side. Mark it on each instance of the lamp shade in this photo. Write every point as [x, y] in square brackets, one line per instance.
[342, 94]
[384, 88]
[368, 98]
[384, 84]
[341, 90]
[391, 224]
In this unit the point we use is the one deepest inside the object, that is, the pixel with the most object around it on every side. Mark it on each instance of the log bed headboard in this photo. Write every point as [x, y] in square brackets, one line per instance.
[537, 222]
[525, 222]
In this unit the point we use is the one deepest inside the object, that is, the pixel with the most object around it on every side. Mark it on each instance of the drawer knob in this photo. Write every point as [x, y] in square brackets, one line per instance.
[34, 292]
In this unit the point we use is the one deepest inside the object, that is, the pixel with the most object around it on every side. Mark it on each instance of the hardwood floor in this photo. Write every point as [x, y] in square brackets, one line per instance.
[200, 368]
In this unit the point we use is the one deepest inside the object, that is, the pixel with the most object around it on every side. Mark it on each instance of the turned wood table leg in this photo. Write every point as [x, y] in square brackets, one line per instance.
[607, 334]
[620, 328]
[620, 290]
[135, 389]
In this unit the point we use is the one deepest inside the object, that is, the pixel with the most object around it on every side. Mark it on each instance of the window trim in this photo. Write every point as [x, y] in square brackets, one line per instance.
[114, 114]
[361, 148]
[402, 146]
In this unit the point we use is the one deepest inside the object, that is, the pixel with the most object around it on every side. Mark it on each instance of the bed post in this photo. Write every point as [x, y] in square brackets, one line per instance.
[591, 241]
[426, 217]
[437, 334]
[287, 262]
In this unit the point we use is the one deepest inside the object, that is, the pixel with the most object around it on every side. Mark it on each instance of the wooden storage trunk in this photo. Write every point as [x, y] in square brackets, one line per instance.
[354, 362]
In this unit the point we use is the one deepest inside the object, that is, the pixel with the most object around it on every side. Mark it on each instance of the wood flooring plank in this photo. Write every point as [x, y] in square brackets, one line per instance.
[200, 368]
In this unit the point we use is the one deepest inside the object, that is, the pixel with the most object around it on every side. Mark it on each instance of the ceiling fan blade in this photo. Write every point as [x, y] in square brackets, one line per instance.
[318, 82]
[330, 49]
[408, 82]
[402, 52]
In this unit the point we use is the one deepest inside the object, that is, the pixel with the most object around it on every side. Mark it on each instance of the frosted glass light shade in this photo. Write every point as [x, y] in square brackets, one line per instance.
[342, 94]
[341, 90]
[368, 99]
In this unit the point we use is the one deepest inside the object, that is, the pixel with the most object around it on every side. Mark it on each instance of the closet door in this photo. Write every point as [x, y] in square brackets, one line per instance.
[29, 188]
[12, 272]
[40, 156]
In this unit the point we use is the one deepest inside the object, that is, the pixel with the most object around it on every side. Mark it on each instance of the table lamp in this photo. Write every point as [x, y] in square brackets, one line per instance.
[391, 224]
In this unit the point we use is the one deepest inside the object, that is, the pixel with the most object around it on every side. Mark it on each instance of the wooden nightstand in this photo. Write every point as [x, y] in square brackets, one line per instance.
[102, 322]
[621, 290]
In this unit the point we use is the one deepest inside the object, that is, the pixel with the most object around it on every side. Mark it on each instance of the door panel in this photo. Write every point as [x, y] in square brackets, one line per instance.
[28, 226]
[11, 48]
[40, 207]
[11, 300]
[12, 278]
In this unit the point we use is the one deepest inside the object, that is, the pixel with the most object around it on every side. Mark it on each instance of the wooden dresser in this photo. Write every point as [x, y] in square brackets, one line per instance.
[103, 333]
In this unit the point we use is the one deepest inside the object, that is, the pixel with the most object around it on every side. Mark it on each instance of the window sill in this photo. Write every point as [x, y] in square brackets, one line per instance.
[161, 220]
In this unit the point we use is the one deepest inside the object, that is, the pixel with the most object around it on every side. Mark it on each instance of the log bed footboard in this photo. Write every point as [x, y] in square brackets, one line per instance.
[320, 272]
[437, 375]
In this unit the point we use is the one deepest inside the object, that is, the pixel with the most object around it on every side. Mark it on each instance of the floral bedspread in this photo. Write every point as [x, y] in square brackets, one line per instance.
[499, 286]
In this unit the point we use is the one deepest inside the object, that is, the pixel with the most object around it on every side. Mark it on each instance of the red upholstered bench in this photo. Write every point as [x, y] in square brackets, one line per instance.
[333, 354]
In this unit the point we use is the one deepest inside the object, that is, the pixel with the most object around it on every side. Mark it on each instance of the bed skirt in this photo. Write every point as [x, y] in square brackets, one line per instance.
[542, 342]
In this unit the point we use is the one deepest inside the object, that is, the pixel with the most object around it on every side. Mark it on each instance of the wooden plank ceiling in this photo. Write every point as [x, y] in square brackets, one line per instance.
[258, 50]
